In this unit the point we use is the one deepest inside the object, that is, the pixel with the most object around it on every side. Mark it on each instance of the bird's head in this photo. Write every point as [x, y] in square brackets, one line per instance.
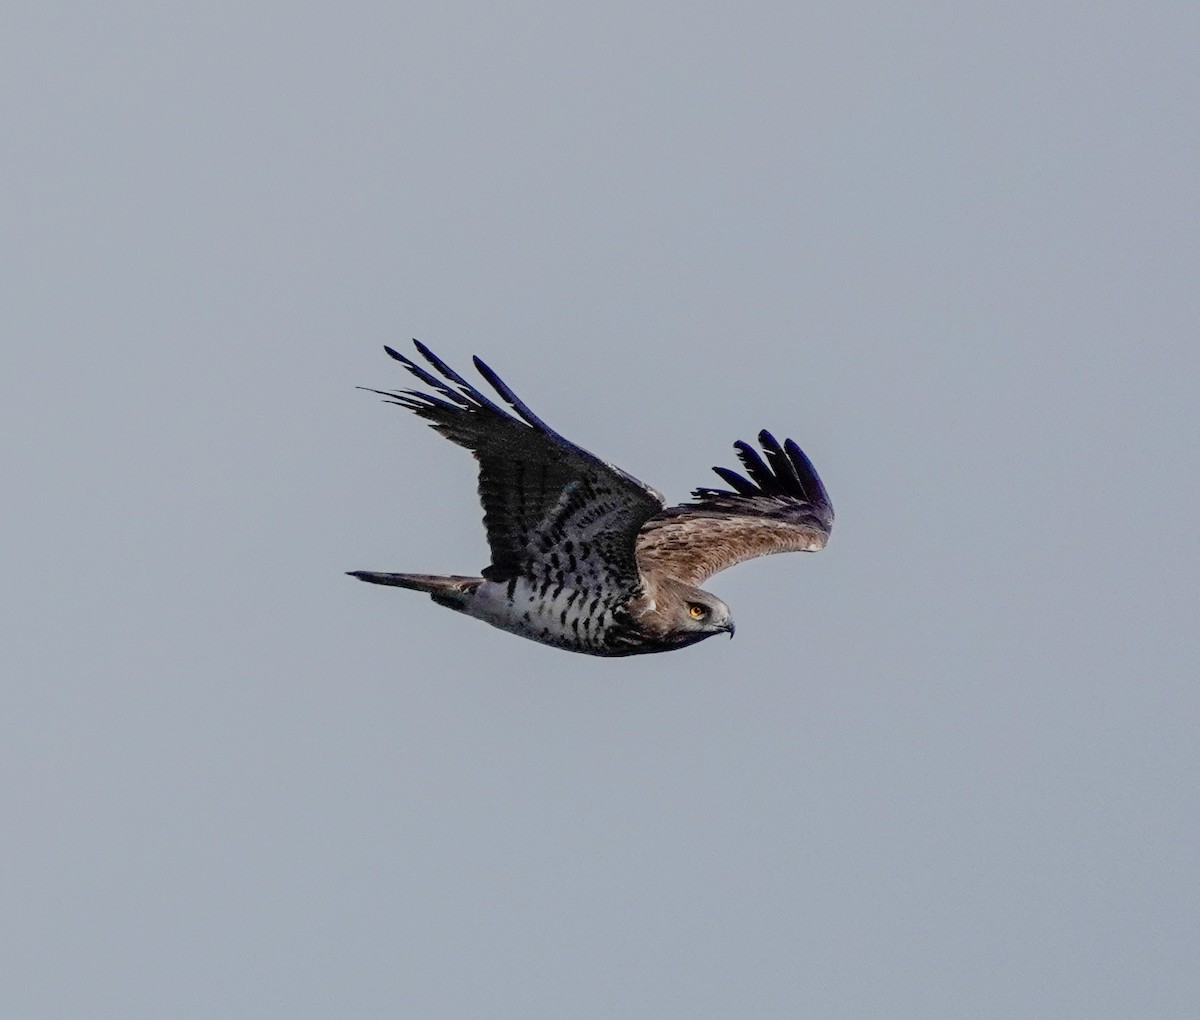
[707, 615]
[691, 615]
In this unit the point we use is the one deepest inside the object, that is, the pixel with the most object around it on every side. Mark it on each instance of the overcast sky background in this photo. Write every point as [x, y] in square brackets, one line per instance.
[948, 768]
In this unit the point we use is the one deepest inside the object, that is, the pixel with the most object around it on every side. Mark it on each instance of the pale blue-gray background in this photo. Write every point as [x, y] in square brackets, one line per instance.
[949, 766]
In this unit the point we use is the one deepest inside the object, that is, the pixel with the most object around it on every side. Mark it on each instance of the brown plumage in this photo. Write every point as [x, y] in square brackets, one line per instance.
[584, 556]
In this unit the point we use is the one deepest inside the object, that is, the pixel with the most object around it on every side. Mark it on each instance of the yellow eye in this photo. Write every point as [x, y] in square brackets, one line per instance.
[697, 611]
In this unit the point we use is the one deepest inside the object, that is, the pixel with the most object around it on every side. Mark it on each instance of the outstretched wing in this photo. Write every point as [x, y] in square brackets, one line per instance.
[545, 500]
[781, 507]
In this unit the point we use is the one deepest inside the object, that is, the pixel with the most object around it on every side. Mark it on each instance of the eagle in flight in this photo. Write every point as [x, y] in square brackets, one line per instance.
[584, 556]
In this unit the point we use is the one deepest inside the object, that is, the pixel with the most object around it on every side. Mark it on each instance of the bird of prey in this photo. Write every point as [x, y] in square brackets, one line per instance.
[584, 556]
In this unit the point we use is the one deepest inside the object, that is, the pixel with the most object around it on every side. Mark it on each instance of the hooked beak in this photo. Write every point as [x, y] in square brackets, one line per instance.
[730, 628]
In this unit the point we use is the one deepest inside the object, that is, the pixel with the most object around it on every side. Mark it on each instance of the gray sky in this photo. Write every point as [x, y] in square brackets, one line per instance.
[949, 766]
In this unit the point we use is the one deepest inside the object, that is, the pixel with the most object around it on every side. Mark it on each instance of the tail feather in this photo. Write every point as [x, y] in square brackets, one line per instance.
[453, 591]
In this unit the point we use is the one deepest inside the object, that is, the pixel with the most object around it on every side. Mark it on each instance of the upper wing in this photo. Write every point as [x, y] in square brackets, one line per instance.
[782, 507]
[543, 497]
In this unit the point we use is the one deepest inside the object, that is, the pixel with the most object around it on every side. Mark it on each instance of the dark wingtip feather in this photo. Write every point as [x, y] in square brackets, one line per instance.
[441, 366]
[454, 392]
[787, 474]
[755, 466]
[739, 484]
[507, 395]
[810, 481]
[392, 395]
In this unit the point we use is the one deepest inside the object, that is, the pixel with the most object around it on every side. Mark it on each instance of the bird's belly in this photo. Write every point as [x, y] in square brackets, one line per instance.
[579, 619]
